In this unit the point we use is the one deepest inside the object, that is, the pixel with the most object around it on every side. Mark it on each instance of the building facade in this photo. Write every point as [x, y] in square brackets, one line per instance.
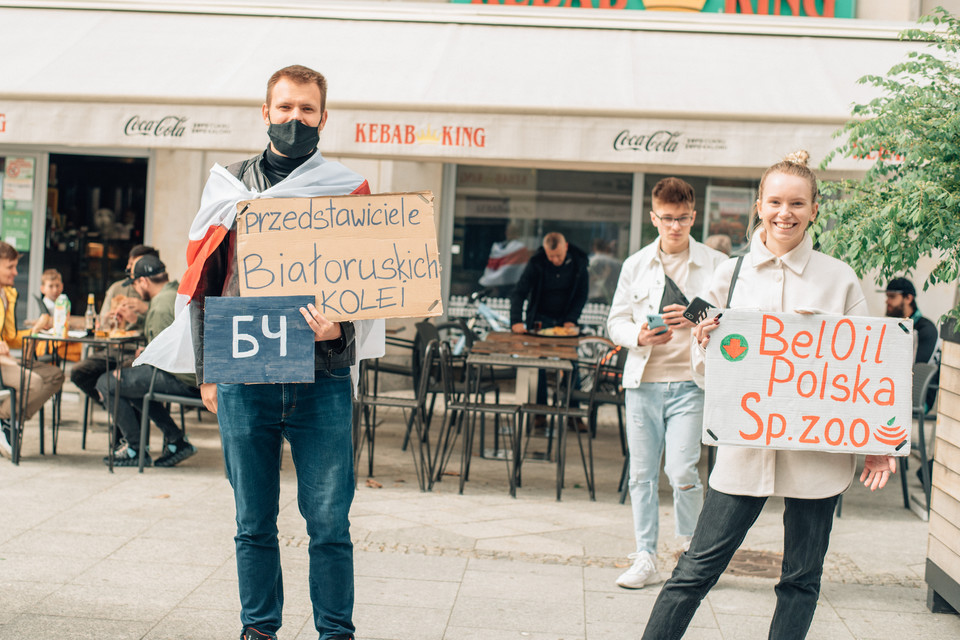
[522, 116]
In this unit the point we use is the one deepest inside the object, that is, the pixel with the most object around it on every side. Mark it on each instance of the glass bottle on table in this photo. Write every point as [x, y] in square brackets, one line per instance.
[90, 315]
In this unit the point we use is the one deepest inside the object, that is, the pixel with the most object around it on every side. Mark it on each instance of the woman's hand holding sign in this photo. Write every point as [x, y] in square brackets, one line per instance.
[705, 328]
[323, 329]
[876, 471]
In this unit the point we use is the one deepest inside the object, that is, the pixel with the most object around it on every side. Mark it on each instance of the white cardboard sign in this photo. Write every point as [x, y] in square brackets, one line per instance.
[810, 382]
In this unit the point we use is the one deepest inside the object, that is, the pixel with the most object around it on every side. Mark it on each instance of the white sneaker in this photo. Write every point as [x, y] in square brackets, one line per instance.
[642, 573]
[5, 447]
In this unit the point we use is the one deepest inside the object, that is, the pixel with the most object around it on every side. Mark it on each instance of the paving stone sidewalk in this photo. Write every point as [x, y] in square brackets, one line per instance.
[89, 554]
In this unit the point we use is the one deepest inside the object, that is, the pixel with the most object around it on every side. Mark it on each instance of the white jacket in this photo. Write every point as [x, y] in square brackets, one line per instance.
[803, 279]
[639, 291]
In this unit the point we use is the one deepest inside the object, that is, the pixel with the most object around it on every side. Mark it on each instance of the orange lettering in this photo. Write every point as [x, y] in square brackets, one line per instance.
[826, 432]
[883, 330]
[796, 343]
[866, 432]
[783, 426]
[773, 336]
[773, 373]
[360, 136]
[888, 393]
[839, 387]
[859, 386]
[409, 135]
[811, 421]
[813, 386]
[743, 405]
[833, 340]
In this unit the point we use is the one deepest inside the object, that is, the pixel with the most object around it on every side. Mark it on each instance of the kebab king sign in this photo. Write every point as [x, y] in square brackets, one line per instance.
[810, 382]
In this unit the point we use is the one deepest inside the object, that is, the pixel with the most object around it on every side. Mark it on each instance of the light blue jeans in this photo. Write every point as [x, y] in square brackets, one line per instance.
[664, 415]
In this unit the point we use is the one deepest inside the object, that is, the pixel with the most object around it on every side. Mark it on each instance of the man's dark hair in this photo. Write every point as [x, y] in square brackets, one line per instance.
[141, 250]
[300, 75]
[160, 278]
[673, 191]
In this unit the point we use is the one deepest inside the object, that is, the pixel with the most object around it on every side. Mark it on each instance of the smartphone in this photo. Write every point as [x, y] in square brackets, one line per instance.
[698, 310]
[655, 321]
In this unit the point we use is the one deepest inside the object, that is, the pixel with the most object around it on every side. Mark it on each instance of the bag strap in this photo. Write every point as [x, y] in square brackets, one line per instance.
[733, 281]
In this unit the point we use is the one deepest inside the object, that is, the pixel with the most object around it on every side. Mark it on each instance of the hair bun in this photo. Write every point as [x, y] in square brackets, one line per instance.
[800, 157]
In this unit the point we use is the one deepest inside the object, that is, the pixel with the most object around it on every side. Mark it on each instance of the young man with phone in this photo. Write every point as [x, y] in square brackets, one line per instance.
[664, 406]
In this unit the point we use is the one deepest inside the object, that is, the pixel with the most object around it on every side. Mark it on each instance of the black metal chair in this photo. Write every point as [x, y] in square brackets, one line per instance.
[365, 408]
[923, 374]
[464, 402]
[155, 396]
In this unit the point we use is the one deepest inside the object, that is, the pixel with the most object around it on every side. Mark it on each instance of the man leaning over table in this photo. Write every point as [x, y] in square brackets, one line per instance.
[664, 406]
[150, 279]
[44, 379]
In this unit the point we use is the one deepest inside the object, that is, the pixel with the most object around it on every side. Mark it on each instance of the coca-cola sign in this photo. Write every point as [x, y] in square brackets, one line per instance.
[658, 141]
[165, 127]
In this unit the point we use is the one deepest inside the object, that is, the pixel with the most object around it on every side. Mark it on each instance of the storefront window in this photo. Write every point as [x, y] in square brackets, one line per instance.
[723, 208]
[95, 214]
[502, 215]
[17, 176]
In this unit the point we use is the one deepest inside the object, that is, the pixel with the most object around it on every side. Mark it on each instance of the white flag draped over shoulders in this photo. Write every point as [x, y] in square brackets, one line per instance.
[172, 350]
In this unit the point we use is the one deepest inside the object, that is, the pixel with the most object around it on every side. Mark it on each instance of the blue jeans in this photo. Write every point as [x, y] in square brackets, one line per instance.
[723, 525]
[664, 416]
[316, 419]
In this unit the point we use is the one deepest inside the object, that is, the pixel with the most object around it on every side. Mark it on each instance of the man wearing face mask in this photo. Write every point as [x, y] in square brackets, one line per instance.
[314, 417]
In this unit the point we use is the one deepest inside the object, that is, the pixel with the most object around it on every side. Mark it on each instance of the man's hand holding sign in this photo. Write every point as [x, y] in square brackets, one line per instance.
[809, 382]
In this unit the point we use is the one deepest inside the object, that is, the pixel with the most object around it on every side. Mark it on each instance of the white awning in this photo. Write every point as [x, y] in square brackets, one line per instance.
[440, 81]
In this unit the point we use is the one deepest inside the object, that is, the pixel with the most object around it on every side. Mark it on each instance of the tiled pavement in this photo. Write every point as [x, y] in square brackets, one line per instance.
[87, 554]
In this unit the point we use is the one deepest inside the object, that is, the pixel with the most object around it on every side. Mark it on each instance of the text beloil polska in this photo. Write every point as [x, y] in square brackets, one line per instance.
[791, 367]
[351, 278]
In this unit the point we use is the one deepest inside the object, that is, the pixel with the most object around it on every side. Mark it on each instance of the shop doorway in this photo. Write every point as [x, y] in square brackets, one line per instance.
[95, 214]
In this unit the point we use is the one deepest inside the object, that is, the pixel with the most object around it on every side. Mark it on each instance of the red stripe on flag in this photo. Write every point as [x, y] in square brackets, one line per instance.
[197, 253]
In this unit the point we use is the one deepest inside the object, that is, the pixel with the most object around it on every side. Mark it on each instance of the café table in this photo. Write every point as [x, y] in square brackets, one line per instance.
[114, 350]
[529, 353]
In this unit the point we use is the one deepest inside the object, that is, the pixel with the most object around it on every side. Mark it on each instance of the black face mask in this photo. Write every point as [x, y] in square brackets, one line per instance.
[293, 138]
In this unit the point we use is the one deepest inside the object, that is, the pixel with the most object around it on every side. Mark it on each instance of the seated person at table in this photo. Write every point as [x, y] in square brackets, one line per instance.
[51, 286]
[555, 284]
[44, 379]
[152, 283]
[86, 372]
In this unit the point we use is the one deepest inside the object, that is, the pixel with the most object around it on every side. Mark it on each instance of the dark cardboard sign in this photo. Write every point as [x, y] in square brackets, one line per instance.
[257, 340]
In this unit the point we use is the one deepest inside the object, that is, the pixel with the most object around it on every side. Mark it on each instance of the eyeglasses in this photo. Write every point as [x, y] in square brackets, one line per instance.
[683, 221]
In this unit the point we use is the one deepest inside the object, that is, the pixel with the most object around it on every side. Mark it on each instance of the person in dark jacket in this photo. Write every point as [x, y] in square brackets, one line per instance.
[555, 284]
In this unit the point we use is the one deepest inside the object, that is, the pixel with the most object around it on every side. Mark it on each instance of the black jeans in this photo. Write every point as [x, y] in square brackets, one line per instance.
[134, 385]
[723, 524]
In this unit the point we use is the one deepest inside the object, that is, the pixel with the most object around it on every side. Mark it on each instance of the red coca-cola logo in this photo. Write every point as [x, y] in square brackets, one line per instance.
[165, 127]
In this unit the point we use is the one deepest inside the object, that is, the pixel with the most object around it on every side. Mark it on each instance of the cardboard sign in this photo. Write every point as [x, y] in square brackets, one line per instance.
[254, 340]
[810, 382]
[368, 256]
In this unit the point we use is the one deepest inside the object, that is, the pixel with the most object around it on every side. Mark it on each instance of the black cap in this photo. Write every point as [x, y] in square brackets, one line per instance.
[147, 266]
[901, 286]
